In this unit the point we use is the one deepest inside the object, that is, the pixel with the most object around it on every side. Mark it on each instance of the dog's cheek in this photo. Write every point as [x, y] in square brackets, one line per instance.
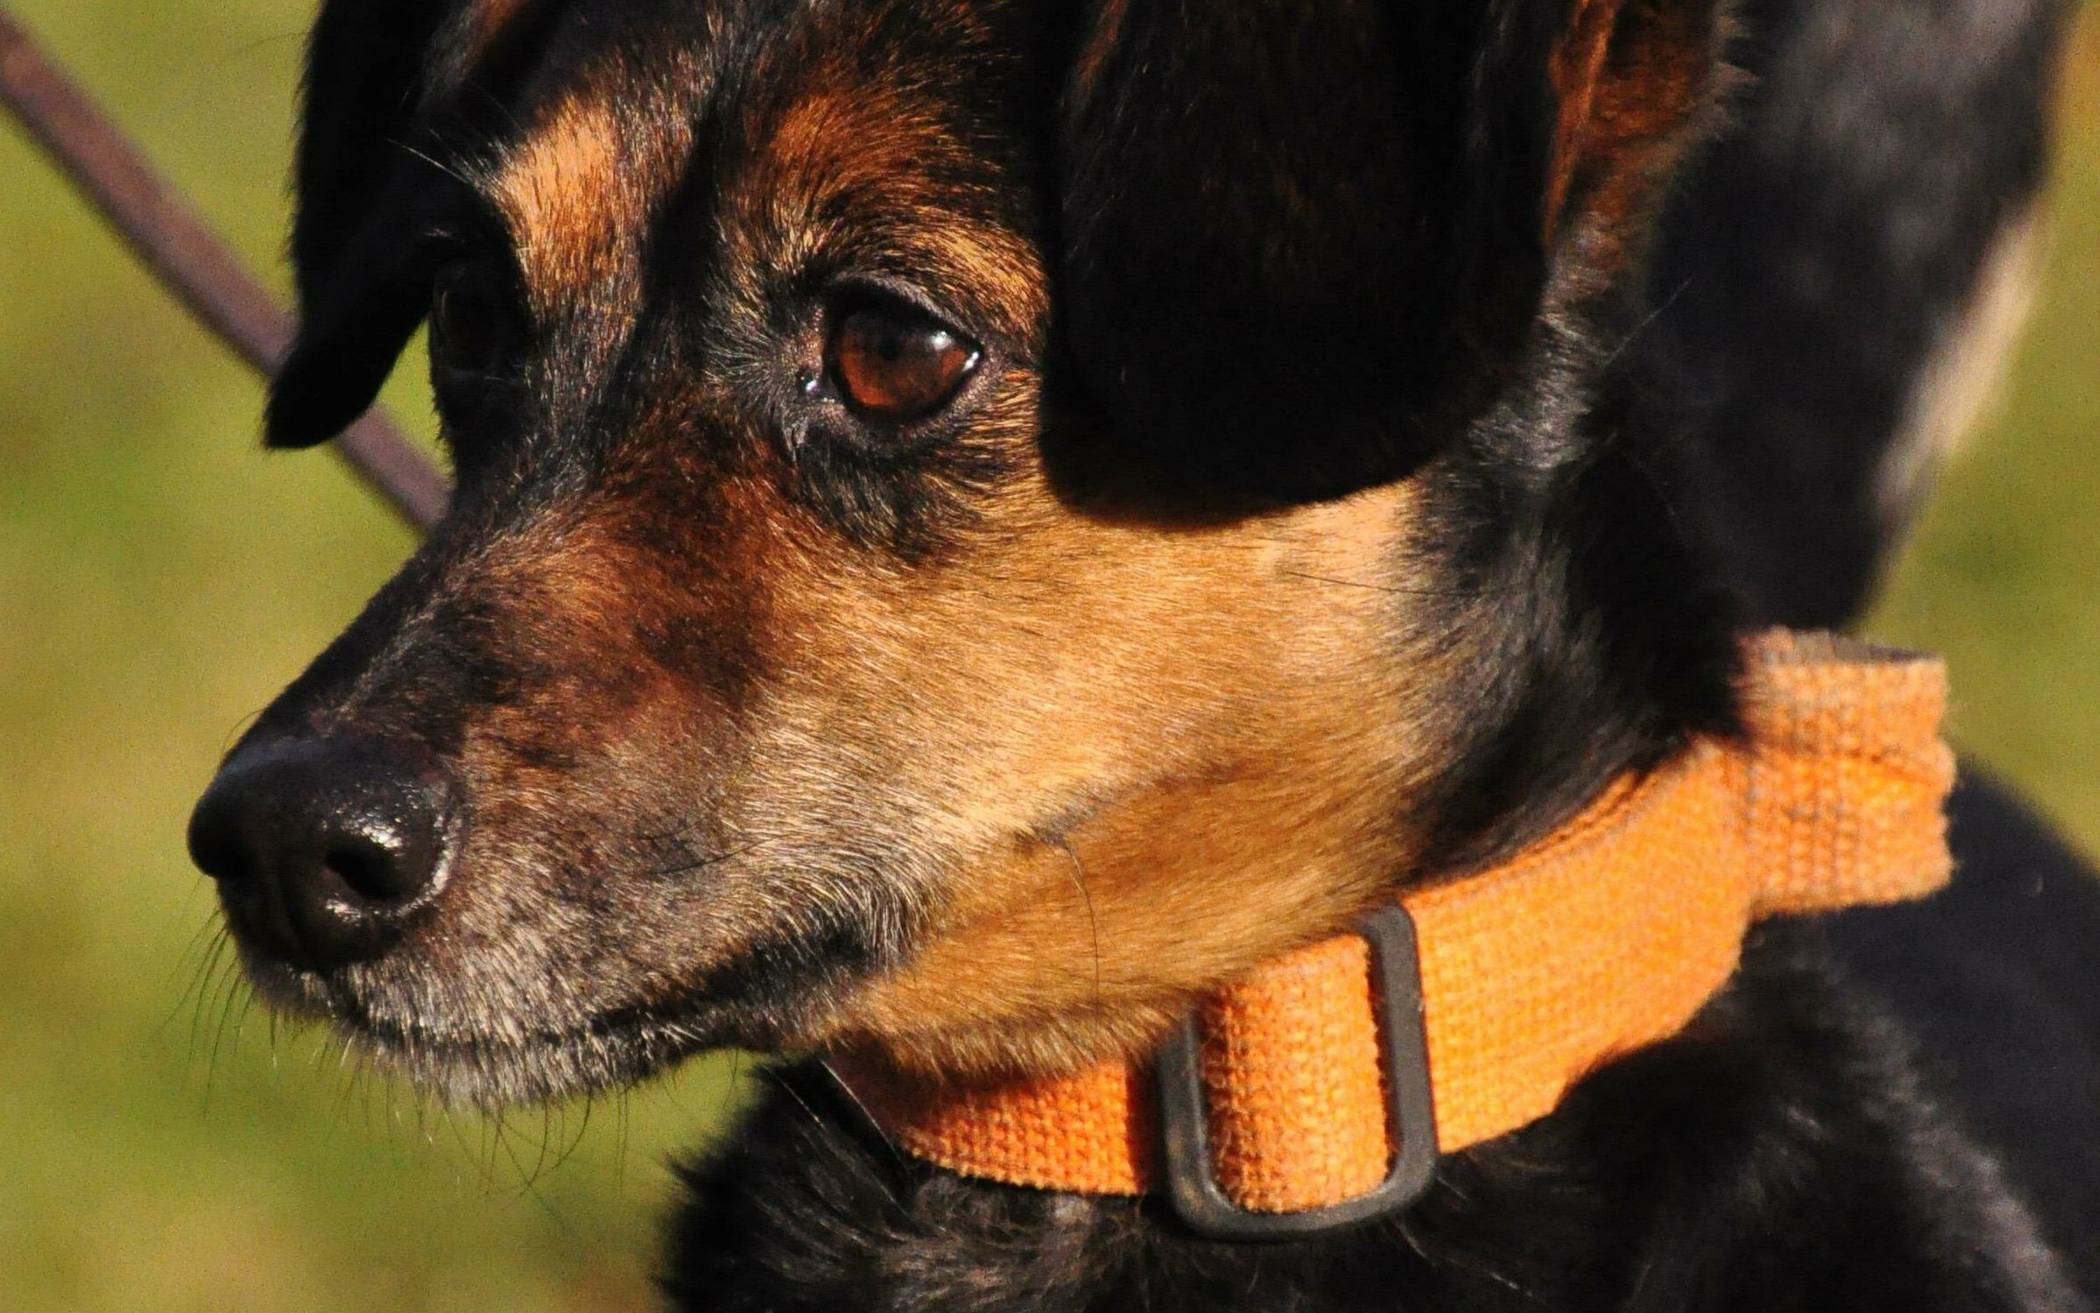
[1095, 721]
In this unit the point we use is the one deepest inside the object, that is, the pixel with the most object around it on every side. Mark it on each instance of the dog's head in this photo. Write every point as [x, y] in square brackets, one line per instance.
[974, 521]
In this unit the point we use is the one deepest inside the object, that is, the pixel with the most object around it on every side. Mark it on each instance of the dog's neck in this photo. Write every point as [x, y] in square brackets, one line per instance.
[1590, 629]
[1497, 990]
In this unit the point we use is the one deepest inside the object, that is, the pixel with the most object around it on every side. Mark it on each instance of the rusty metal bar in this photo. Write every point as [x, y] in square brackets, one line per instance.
[173, 242]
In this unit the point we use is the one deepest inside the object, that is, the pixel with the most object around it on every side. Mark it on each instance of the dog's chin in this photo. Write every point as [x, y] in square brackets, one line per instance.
[495, 1058]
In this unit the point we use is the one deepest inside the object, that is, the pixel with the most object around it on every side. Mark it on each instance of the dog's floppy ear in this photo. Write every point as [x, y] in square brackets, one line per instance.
[1303, 239]
[381, 76]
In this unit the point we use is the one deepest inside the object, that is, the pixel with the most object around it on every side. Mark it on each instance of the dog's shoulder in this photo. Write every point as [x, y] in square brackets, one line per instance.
[1992, 981]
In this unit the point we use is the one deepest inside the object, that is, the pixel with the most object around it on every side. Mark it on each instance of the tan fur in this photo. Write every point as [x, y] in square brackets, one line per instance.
[1632, 77]
[866, 153]
[1578, 61]
[578, 191]
[1160, 756]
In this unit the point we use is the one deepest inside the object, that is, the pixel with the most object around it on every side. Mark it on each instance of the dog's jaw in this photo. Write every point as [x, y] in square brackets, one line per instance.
[493, 1055]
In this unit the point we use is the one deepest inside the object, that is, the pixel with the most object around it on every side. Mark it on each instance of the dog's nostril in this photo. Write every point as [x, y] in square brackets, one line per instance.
[323, 848]
[374, 872]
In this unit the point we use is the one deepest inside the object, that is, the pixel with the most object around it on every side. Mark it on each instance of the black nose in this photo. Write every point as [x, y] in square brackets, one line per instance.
[324, 848]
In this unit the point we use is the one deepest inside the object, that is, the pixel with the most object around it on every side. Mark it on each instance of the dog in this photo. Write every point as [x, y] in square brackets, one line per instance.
[978, 523]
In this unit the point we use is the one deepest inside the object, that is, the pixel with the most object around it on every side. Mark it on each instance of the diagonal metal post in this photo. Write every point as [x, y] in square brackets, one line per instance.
[173, 242]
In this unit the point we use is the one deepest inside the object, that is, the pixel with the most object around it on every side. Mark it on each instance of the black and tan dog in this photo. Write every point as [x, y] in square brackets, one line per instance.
[977, 522]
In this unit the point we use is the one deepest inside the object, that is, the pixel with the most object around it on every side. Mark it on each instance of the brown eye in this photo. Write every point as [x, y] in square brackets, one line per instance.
[472, 324]
[895, 365]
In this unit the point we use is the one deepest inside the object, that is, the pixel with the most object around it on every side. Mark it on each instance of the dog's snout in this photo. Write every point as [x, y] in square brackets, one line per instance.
[324, 848]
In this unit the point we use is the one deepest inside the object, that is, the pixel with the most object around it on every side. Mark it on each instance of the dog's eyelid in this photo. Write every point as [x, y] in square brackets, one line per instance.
[951, 302]
[447, 242]
[855, 290]
[469, 223]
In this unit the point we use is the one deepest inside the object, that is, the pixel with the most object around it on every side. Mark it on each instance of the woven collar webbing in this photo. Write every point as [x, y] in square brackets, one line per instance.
[1606, 936]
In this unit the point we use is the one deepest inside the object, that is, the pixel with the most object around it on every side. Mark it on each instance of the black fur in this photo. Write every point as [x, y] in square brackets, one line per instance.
[1993, 979]
[1817, 255]
[1375, 262]
[1609, 642]
[386, 86]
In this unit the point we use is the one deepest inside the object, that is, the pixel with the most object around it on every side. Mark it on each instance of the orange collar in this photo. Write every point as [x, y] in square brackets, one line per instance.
[1607, 935]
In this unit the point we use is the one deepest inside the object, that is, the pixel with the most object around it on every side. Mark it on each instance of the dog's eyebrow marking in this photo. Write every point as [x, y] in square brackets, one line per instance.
[566, 197]
[876, 176]
[578, 189]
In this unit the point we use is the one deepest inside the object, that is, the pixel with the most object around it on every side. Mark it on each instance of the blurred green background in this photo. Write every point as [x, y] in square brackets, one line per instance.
[160, 578]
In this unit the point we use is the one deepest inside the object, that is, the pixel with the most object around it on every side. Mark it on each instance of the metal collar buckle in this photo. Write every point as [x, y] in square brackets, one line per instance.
[1410, 1115]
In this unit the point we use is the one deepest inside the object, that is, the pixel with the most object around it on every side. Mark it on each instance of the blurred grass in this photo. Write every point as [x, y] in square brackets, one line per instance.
[160, 578]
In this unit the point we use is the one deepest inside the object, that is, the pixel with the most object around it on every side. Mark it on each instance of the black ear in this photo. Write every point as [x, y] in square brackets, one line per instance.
[1305, 239]
[385, 80]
